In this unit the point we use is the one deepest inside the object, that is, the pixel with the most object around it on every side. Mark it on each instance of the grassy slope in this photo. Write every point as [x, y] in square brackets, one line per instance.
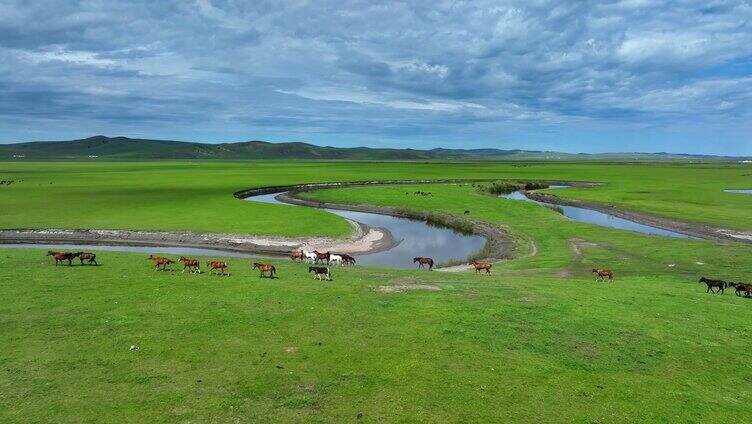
[196, 195]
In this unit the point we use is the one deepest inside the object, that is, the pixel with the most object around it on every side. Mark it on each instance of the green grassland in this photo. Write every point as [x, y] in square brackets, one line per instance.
[538, 341]
[196, 195]
[524, 346]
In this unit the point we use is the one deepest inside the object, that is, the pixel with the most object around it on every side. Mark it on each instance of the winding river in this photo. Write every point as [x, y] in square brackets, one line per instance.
[416, 238]
[591, 216]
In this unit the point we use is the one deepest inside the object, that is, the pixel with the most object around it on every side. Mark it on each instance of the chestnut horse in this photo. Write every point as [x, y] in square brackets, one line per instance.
[480, 266]
[160, 261]
[719, 285]
[265, 268]
[62, 256]
[217, 265]
[424, 261]
[603, 273]
[191, 265]
[297, 254]
[321, 256]
[90, 258]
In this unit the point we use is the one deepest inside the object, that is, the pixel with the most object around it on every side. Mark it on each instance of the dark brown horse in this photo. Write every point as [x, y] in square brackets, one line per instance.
[321, 256]
[160, 261]
[220, 266]
[743, 288]
[265, 268]
[90, 258]
[481, 266]
[297, 254]
[718, 285]
[603, 273]
[191, 265]
[347, 259]
[423, 261]
[62, 256]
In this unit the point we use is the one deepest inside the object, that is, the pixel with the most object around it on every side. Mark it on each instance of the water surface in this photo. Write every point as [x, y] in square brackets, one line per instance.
[735, 190]
[590, 216]
[416, 238]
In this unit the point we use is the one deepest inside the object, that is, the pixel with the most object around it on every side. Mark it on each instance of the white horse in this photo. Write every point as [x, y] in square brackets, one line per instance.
[335, 259]
[309, 256]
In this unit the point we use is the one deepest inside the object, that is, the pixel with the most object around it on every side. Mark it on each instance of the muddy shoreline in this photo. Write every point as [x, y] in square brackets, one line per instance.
[365, 239]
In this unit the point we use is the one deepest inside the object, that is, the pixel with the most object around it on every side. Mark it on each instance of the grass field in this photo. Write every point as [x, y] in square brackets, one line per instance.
[517, 346]
[197, 195]
[538, 341]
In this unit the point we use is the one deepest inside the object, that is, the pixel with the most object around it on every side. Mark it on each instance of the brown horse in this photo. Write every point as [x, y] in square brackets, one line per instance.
[321, 256]
[191, 265]
[297, 254]
[424, 261]
[743, 288]
[52, 253]
[62, 256]
[481, 266]
[347, 259]
[160, 261]
[603, 273]
[265, 268]
[90, 258]
[217, 265]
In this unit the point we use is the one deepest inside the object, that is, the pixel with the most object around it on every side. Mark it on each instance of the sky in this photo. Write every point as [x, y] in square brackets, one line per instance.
[573, 76]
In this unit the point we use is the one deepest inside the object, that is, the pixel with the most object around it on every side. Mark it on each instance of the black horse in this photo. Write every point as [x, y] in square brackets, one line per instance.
[718, 285]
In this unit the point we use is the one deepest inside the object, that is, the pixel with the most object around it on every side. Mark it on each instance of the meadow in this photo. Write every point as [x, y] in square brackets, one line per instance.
[197, 195]
[540, 340]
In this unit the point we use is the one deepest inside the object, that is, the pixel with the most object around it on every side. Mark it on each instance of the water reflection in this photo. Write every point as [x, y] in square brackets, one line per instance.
[416, 238]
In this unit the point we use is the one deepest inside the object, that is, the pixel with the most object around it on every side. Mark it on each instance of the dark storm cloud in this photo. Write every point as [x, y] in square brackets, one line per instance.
[455, 70]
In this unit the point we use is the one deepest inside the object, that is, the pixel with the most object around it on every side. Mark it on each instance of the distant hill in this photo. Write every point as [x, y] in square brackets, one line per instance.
[124, 148]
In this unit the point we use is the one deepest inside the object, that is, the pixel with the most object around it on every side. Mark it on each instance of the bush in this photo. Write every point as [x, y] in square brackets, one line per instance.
[499, 188]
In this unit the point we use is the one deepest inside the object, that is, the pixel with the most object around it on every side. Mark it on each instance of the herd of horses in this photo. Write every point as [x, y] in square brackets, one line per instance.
[316, 259]
[720, 286]
[61, 257]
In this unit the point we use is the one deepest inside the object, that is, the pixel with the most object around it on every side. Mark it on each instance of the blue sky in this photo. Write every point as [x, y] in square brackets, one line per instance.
[578, 76]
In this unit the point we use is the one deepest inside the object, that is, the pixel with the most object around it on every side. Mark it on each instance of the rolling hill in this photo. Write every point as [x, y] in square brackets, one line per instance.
[124, 148]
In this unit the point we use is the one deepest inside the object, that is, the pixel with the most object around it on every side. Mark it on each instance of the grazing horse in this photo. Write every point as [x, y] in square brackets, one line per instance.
[62, 256]
[160, 261]
[719, 285]
[90, 258]
[217, 265]
[297, 254]
[321, 256]
[480, 266]
[53, 253]
[318, 271]
[347, 259]
[192, 265]
[603, 273]
[265, 268]
[424, 261]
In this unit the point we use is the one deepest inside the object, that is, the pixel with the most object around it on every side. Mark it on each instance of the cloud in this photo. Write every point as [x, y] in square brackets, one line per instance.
[444, 71]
